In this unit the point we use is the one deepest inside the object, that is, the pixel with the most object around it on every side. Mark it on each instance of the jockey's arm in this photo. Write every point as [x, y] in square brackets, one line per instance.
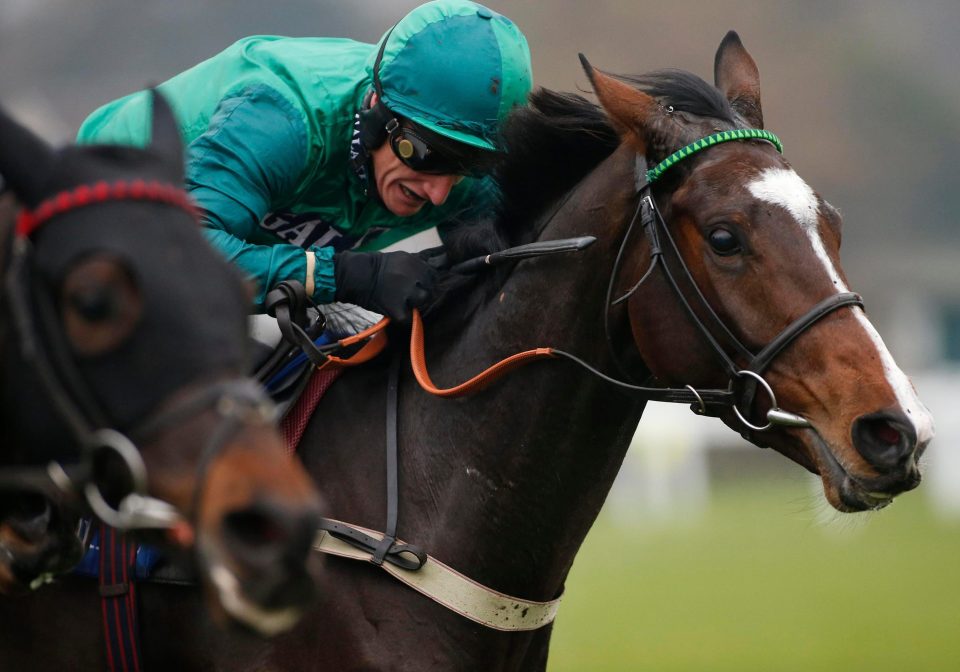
[250, 158]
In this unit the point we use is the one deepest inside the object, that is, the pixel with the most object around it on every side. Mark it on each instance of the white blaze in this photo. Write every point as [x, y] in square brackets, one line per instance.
[784, 188]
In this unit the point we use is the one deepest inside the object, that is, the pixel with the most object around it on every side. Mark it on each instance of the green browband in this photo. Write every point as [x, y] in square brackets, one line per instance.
[725, 136]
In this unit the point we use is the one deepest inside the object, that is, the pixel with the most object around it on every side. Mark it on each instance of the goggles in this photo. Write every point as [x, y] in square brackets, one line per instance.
[417, 149]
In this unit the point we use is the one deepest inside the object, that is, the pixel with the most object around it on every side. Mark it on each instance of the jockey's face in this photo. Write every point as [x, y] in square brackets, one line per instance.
[403, 190]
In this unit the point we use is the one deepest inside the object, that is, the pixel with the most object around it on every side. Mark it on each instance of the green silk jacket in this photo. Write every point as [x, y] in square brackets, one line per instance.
[269, 125]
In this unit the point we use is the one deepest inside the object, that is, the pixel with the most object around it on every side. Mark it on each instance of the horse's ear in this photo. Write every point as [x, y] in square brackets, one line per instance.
[631, 111]
[736, 75]
[26, 161]
[165, 139]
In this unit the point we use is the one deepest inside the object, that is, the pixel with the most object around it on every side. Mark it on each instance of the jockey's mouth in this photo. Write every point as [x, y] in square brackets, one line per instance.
[413, 197]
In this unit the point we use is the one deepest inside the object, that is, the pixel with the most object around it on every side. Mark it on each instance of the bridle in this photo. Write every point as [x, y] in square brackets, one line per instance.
[43, 347]
[743, 380]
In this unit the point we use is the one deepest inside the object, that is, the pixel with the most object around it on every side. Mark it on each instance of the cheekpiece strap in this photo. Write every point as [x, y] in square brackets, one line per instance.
[28, 221]
[703, 143]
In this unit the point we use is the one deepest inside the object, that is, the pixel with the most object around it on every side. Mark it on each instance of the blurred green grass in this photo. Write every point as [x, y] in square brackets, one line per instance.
[758, 584]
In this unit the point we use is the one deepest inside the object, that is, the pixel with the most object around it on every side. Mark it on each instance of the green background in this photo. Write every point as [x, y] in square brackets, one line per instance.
[763, 582]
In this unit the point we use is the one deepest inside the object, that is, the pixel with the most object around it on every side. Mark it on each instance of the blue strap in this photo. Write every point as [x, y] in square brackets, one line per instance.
[147, 558]
[295, 364]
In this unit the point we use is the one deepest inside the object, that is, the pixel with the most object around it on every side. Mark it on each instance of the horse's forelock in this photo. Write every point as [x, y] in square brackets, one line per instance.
[685, 92]
[694, 109]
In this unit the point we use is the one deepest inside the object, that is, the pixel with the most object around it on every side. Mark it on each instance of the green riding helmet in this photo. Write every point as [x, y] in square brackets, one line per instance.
[456, 68]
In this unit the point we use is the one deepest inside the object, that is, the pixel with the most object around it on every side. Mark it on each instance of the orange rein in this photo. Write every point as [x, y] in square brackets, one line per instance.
[377, 341]
[418, 360]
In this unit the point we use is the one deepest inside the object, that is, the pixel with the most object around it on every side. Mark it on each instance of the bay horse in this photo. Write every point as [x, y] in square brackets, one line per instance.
[124, 353]
[504, 485]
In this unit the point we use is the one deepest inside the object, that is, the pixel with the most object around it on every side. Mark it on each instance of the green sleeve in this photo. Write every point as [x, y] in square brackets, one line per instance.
[248, 160]
[125, 121]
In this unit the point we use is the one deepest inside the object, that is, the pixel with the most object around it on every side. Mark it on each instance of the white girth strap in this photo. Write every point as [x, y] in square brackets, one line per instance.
[456, 592]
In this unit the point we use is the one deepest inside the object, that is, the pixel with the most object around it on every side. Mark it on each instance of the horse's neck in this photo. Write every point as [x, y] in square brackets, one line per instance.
[524, 467]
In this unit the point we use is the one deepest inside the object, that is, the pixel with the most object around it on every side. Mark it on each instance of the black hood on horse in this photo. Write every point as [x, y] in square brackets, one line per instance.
[154, 252]
[123, 387]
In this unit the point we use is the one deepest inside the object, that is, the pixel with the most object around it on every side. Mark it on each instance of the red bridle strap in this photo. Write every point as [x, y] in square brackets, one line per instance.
[29, 221]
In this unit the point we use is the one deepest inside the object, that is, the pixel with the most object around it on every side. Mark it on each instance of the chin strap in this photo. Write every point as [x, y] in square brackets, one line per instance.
[360, 159]
[370, 129]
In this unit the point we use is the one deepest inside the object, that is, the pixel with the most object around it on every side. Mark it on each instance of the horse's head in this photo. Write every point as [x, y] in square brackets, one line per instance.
[763, 249]
[127, 319]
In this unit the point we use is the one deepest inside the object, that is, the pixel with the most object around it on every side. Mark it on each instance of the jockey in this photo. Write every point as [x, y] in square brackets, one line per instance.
[306, 155]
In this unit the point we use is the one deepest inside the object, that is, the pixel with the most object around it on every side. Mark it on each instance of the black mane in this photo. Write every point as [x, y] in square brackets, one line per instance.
[550, 145]
[685, 92]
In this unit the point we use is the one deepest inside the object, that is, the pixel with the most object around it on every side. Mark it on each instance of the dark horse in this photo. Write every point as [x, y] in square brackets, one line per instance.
[118, 320]
[503, 486]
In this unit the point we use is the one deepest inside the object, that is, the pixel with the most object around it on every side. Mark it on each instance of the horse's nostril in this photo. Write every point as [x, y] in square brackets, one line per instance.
[886, 440]
[270, 533]
[269, 546]
[885, 433]
[254, 528]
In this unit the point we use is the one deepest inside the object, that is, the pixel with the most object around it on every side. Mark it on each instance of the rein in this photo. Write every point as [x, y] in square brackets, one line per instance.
[42, 345]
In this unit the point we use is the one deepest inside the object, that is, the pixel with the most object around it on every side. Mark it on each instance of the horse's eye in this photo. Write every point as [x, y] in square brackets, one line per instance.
[94, 304]
[724, 242]
[100, 305]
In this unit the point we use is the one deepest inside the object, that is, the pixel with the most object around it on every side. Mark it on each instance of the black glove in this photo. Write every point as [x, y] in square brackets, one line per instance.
[391, 283]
